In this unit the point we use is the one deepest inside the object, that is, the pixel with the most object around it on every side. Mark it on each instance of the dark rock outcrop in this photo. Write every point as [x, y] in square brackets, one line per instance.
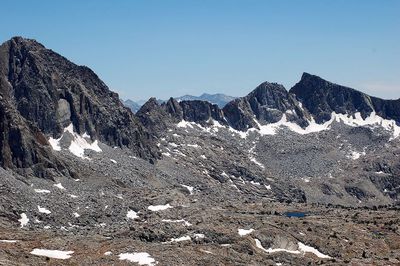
[322, 97]
[201, 112]
[267, 103]
[42, 92]
[157, 117]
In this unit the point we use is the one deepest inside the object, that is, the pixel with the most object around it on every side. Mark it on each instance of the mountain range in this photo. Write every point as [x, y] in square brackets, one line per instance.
[308, 175]
[219, 99]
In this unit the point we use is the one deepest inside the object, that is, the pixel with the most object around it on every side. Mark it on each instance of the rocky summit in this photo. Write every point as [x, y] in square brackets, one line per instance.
[305, 176]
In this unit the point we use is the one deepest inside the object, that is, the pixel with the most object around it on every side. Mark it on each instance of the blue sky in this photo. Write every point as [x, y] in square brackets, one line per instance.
[170, 48]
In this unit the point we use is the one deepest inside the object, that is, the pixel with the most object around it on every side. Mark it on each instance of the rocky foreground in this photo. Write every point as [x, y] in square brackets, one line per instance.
[225, 234]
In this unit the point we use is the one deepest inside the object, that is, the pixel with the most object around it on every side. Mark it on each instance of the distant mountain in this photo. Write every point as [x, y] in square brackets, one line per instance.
[219, 99]
[134, 106]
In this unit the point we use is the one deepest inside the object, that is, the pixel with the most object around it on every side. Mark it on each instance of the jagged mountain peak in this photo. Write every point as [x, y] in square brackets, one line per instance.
[321, 97]
[269, 94]
[314, 83]
[265, 104]
[25, 42]
[45, 92]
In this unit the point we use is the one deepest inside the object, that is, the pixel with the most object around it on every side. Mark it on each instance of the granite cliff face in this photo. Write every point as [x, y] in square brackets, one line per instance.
[42, 93]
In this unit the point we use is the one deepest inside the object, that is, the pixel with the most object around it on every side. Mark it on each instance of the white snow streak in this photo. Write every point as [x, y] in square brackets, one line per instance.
[180, 239]
[8, 241]
[55, 254]
[60, 186]
[302, 249]
[43, 210]
[355, 120]
[42, 191]
[186, 223]
[155, 208]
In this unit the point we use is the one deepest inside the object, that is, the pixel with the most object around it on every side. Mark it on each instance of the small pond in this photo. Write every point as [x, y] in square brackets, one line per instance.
[295, 214]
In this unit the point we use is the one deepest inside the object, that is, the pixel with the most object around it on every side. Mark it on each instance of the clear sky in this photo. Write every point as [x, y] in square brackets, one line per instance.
[170, 48]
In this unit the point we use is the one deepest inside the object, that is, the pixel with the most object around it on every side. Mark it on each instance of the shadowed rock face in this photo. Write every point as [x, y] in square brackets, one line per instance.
[322, 97]
[42, 92]
[157, 117]
[201, 112]
[267, 103]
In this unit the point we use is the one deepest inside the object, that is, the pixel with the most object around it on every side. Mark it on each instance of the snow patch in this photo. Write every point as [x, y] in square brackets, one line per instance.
[199, 236]
[172, 144]
[185, 124]
[142, 258]
[156, 208]
[255, 183]
[24, 220]
[270, 250]
[132, 215]
[78, 144]
[355, 120]
[55, 143]
[254, 160]
[272, 129]
[243, 232]
[186, 223]
[180, 239]
[354, 155]
[42, 191]
[189, 188]
[8, 241]
[55, 254]
[60, 186]
[43, 210]
[193, 145]
[302, 249]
